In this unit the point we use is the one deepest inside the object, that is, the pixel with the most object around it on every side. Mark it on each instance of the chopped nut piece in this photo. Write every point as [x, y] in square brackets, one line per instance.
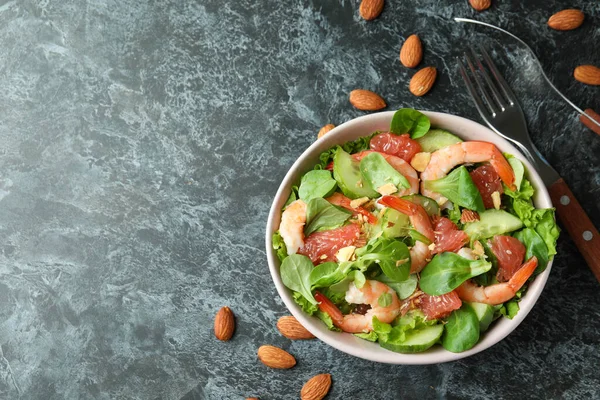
[478, 248]
[420, 161]
[468, 216]
[388, 188]
[496, 199]
[431, 246]
[441, 201]
[345, 253]
[358, 202]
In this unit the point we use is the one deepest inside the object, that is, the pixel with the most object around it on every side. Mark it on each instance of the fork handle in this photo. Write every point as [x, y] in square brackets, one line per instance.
[587, 122]
[577, 224]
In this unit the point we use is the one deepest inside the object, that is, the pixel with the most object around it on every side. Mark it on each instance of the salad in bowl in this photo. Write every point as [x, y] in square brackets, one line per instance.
[413, 238]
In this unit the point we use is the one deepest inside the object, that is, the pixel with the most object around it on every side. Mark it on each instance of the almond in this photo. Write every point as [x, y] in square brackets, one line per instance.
[422, 81]
[316, 387]
[224, 324]
[411, 52]
[324, 130]
[292, 329]
[252, 398]
[496, 200]
[588, 74]
[370, 9]
[480, 5]
[274, 357]
[468, 216]
[366, 100]
[566, 20]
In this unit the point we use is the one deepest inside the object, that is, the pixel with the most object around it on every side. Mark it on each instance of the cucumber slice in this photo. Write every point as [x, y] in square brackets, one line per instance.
[416, 341]
[346, 172]
[485, 314]
[518, 169]
[491, 223]
[429, 204]
[394, 223]
[436, 139]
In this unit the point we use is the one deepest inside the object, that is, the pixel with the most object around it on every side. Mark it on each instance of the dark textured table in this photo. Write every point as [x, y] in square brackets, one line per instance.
[142, 144]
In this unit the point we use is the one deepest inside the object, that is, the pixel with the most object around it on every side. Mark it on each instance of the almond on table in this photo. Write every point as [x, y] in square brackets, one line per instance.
[274, 357]
[366, 100]
[371, 9]
[292, 329]
[422, 81]
[588, 74]
[224, 324]
[411, 53]
[316, 388]
[480, 5]
[566, 20]
[324, 130]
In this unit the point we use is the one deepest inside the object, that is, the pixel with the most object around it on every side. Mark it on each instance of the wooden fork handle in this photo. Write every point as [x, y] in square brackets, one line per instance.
[577, 224]
[587, 122]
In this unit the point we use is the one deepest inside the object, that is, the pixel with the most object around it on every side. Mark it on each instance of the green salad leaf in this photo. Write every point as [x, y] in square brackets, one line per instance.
[403, 289]
[327, 274]
[304, 304]
[295, 274]
[323, 316]
[525, 193]
[279, 246]
[539, 219]
[371, 336]
[408, 120]
[510, 309]
[384, 300]
[316, 183]
[352, 147]
[292, 197]
[454, 214]
[447, 271]
[489, 277]
[459, 188]
[535, 246]
[322, 215]
[391, 255]
[461, 332]
[378, 172]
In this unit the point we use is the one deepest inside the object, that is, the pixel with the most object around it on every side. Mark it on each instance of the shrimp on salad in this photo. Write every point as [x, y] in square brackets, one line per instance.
[420, 253]
[500, 292]
[291, 228]
[444, 159]
[369, 294]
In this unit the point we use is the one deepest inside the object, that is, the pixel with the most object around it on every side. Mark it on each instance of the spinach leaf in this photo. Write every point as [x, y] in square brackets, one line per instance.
[279, 246]
[454, 214]
[295, 274]
[403, 289]
[459, 188]
[327, 274]
[391, 255]
[408, 120]
[321, 215]
[384, 300]
[489, 277]
[292, 197]
[462, 330]
[535, 247]
[316, 183]
[378, 172]
[358, 278]
[447, 271]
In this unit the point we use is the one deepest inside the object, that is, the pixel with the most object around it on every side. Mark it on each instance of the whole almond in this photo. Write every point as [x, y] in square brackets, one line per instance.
[252, 398]
[370, 9]
[324, 130]
[275, 357]
[316, 387]
[480, 5]
[411, 52]
[422, 81]
[566, 20]
[224, 324]
[292, 329]
[588, 74]
[366, 100]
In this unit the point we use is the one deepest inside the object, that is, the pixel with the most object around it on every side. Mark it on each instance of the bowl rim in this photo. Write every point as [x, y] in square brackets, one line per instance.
[348, 343]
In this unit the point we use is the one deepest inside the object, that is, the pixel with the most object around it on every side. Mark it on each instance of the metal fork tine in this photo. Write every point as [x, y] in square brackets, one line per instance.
[497, 95]
[492, 106]
[481, 107]
[510, 96]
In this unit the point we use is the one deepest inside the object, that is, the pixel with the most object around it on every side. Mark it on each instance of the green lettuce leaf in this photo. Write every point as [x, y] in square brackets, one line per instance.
[355, 146]
[279, 246]
[459, 188]
[371, 336]
[322, 215]
[306, 305]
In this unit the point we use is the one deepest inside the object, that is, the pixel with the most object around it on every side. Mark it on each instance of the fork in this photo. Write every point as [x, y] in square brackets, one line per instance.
[498, 106]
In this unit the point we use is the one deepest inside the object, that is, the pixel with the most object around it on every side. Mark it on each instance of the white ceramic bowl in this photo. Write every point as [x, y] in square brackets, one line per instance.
[467, 130]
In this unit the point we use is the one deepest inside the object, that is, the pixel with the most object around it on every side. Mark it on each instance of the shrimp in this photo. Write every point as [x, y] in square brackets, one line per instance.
[443, 160]
[399, 165]
[368, 294]
[499, 292]
[291, 228]
[420, 253]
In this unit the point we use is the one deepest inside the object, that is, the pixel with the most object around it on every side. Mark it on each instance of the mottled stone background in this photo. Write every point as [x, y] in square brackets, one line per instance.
[141, 143]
